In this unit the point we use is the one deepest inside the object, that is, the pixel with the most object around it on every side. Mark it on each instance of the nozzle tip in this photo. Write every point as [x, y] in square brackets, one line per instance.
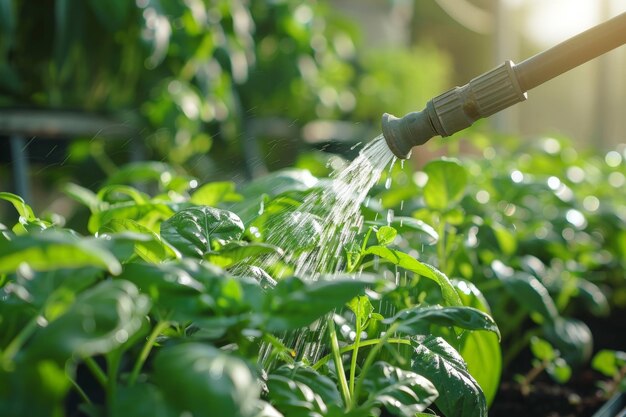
[403, 133]
[389, 133]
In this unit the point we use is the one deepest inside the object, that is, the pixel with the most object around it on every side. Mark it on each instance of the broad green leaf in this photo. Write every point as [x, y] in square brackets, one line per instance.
[149, 214]
[213, 193]
[480, 350]
[294, 303]
[23, 209]
[609, 362]
[236, 251]
[571, 337]
[322, 385]
[294, 397]
[416, 320]
[100, 320]
[53, 291]
[204, 381]
[197, 231]
[140, 400]
[447, 180]
[401, 392]
[174, 292]
[530, 294]
[33, 388]
[541, 349]
[83, 195]
[386, 235]
[409, 263]
[49, 251]
[152, 249]
[459, 393]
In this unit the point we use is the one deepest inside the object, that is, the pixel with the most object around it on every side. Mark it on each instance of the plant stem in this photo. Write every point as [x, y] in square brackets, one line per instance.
[355, 353]
[441, 245]
[113, 363]
[371, 357]
[365, 343]
[19, 340]
[79, 390]
[97, 372]
[341, 373]
[530, 377]
[145, 351]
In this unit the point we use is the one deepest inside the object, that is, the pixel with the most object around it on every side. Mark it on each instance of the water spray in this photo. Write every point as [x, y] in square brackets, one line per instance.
[499, 88]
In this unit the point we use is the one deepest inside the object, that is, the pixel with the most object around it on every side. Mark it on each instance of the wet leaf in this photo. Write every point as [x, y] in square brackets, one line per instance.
[196, 231]
[206, 382]
[411, 264]
[386, 235]
[401, 392]
[416, 320]
[460, 394]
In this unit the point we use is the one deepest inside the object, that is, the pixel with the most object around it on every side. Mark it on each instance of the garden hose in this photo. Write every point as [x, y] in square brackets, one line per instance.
[498, 89]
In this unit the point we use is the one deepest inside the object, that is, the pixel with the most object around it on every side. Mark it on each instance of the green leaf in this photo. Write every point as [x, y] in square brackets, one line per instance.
[571, 337]
[174, 292]
[23, 209]
[321, 385]
[401, 392]
[447, 180]
[280, 182]
[204, 381]
[152, 249]
[294, 303]
[140, 400]
[559, 370]
[480, 350]
[294, 398]
[409, 263]
[101, 319]
[416, 320]
[361, 307]
[530, 294]
[459, 393]
[196, 231]
[386, 235]
[49, 251]
[542, 350]
[609, 362]
[83, 195]
[213, 193]
[148, 214]
[234, 252]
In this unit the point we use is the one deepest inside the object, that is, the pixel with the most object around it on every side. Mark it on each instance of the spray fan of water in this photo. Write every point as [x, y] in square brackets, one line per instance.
[333, 213]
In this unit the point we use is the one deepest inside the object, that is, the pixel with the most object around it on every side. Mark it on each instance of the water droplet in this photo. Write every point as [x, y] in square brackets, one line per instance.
[388, 183]
[389, 217]
[401, 205]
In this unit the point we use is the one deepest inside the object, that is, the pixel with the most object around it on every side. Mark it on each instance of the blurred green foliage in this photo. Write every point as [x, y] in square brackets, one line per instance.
[195, 72]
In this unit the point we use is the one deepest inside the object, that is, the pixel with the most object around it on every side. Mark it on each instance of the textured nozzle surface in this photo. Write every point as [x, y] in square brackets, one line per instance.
[409, 131]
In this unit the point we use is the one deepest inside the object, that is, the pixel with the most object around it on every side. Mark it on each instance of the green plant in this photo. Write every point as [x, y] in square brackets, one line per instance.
[546, 358]
[611, 363]
[163, 307]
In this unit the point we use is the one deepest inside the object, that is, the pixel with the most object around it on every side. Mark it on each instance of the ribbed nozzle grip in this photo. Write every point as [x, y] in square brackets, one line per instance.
[483, 96]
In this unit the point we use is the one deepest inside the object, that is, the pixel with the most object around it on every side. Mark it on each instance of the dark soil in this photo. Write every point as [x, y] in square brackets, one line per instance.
[579, 398]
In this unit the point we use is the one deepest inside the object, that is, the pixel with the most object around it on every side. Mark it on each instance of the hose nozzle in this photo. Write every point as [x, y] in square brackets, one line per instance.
[454, 110]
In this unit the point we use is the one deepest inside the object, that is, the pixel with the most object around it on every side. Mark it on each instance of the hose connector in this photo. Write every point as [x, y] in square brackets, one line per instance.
[454, 110]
